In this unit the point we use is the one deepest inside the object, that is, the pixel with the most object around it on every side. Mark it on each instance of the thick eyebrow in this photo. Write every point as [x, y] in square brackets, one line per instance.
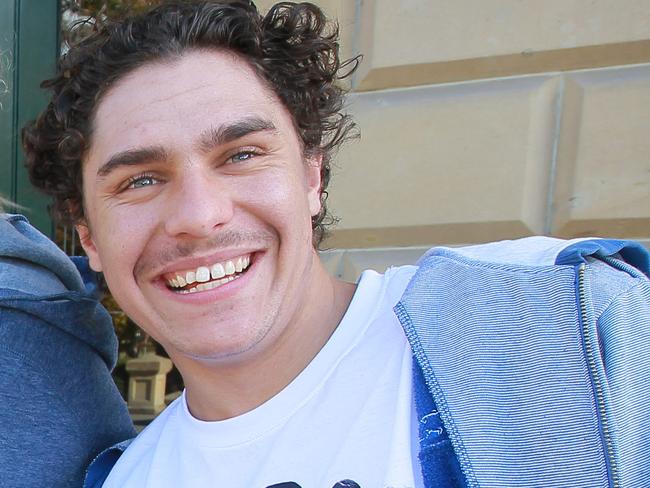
[132, 157]
[224, 134]
[208, 140]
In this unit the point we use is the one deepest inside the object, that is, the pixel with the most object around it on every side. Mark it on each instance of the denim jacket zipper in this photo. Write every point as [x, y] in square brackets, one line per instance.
[591, 350]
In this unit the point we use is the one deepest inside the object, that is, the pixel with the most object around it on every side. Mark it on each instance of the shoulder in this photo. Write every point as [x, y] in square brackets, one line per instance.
[525, 265]
[376, 290]
[31, 262]
[543, 251]
[129, 463]
[45, 300]
[397, 277]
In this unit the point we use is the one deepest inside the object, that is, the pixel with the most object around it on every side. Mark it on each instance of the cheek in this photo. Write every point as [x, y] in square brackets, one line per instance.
[122, 236]
[284, 194]
[287, 212]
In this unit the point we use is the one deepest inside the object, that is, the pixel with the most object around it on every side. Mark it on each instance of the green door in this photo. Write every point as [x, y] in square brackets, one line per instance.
[29, 46]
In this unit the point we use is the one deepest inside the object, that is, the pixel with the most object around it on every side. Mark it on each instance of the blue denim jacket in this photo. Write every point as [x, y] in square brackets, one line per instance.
[532, 365]
[536, 364]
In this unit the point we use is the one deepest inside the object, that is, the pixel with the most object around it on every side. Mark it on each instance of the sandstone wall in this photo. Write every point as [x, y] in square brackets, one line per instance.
[491, 119]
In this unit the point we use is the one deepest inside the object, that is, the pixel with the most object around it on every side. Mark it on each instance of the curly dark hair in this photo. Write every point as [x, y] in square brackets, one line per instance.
[293, 49]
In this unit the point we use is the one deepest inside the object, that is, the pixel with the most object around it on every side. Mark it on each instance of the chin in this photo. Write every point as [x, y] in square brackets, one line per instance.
[216, 350]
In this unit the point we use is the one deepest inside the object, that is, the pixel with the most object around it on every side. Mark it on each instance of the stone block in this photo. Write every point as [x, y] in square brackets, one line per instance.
[419, 42]
[603, 167]
[451, 163]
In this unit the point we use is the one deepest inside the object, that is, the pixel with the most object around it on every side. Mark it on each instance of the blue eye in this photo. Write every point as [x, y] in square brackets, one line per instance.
[142, 181]
[242, 156]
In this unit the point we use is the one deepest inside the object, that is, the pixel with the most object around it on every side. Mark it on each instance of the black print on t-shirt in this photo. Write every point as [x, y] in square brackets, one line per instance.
[293, 484]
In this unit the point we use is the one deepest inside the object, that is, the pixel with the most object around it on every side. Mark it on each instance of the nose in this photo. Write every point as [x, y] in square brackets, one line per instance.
[199, 204]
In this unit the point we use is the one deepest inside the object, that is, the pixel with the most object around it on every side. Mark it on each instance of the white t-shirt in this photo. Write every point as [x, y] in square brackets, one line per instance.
[348, 416]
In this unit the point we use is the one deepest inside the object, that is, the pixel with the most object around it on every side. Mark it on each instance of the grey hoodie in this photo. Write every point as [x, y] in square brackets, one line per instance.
[59, 405]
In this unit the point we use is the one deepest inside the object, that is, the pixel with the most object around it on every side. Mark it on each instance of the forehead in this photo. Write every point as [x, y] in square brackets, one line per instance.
[181, 95]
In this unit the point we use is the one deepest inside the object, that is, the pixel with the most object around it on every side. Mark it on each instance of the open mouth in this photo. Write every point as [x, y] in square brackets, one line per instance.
[207, 277]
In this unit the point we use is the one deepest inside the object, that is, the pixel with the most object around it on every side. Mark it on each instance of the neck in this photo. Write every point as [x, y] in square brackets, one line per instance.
[221, 390]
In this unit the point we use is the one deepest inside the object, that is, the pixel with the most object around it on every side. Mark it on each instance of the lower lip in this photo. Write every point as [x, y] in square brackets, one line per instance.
[218, 293]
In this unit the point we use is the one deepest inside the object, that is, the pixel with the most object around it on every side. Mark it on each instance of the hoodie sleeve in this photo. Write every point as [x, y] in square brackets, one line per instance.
[57, 346]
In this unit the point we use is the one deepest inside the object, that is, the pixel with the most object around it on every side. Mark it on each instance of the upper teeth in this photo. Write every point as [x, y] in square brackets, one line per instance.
[203, 274]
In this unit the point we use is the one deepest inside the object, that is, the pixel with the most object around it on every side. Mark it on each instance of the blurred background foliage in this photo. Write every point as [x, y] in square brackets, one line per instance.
[79, 19]
[105, 8]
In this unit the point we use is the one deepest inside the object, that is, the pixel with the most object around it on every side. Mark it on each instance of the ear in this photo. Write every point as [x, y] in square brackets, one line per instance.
[89, 246]
[314, 183]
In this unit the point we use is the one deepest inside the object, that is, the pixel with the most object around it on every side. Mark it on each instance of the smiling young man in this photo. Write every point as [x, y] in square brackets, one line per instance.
[199, 195]
[191, 147]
